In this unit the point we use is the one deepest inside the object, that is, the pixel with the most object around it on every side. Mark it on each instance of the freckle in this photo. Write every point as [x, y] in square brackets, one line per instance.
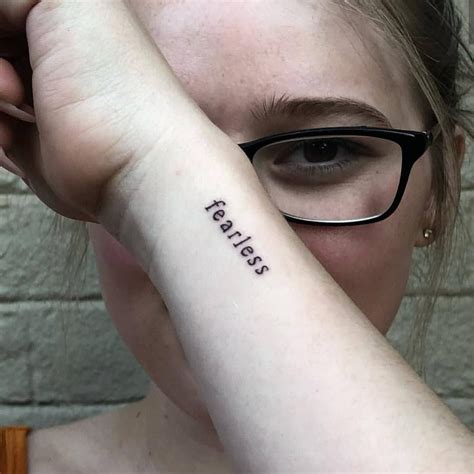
[149, 453]
[178, 172]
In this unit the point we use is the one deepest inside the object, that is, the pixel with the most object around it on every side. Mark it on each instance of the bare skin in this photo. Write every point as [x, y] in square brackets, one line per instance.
[226, 56]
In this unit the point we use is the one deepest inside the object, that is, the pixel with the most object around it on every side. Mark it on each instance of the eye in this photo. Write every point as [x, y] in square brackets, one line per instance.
[320, 151]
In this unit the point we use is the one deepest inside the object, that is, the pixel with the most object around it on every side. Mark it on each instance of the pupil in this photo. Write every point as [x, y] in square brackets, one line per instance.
[320, 151]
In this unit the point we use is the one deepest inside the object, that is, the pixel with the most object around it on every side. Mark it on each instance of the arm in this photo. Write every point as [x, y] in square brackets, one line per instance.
[294, 375]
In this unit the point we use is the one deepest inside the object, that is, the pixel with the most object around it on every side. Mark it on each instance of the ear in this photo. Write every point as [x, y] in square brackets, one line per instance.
[429, 215]
[427, 222]
[460, 143]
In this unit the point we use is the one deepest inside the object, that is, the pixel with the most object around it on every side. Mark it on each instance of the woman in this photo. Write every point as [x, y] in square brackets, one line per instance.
[268, 364]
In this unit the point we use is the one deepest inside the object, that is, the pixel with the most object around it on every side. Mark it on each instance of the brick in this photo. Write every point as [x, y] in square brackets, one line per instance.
[449, 350]
[468, 165]
[449, 344]
[463, 408]
[14, 347]
[34, 256]
[44, 416]
[11, 184]
[86, 362]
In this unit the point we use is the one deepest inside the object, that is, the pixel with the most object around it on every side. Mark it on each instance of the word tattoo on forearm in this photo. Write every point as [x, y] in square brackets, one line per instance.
[226, 227]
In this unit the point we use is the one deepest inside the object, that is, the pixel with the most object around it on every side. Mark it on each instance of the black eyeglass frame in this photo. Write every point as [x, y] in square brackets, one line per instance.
[412, 143]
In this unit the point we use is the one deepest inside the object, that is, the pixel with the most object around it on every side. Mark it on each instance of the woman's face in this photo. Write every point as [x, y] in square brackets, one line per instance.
[231, 55]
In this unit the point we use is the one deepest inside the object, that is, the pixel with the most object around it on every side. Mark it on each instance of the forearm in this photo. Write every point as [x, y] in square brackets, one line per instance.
[294, 376]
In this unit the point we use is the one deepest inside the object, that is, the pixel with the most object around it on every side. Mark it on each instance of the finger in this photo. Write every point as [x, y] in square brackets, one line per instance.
[11, 87]
[13, 46]
[13, 14]
[7, 132]
[7, 127]
[23, 112]
[9, 165]
[24, 72]
[12, 94]
[20, 141]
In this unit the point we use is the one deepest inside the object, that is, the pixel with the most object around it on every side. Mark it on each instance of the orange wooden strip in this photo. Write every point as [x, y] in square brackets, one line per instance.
[13, 450]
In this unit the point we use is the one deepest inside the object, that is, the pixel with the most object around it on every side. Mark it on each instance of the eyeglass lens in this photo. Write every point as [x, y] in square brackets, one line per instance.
[331, 178]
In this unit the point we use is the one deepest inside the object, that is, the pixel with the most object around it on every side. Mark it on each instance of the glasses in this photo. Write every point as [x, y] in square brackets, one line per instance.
[337, 176]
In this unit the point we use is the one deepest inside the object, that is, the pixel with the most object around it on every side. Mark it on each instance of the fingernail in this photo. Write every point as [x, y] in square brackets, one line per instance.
[23, 112]
[8, 164]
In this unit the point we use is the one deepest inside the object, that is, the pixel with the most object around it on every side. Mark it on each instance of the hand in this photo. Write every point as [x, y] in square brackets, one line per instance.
[97, 83]
[15, 78]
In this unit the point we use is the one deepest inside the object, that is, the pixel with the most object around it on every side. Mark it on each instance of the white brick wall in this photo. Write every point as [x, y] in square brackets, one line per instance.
[60, 362]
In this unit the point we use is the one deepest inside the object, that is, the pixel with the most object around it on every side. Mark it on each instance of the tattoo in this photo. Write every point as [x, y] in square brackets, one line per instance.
[226, 226]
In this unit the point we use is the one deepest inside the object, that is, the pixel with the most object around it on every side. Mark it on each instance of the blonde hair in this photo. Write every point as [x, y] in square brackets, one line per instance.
[427, 35]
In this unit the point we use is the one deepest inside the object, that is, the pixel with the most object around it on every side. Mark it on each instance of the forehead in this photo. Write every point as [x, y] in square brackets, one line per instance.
[231, 54]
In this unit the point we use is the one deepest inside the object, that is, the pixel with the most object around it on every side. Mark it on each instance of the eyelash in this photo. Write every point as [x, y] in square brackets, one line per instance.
[324, 168]
[312, 170]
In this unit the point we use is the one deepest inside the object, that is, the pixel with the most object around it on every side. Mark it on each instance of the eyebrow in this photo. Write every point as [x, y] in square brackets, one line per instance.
[320, 107]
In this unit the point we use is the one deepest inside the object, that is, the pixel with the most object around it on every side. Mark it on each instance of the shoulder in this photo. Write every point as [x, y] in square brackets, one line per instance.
[49, 452]
[84, 446]
[58, 449]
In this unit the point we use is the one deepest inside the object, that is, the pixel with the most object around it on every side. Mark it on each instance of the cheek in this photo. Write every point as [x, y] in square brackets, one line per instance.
[371, 264]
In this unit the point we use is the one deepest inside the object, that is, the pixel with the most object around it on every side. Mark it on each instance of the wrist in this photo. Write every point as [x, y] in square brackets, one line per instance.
[137, 198]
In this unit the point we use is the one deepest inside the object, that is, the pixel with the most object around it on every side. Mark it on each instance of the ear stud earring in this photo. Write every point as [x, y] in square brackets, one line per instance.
[427, 233]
